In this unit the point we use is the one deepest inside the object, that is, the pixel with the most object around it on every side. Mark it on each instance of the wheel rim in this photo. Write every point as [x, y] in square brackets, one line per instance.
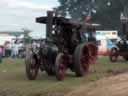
[33, 67]
[114, 55]
[84, 59]
[61, 71]
[60, 67]
[93, 53]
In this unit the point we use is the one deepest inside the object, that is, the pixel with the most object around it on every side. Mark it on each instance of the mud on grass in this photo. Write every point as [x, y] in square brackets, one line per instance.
[13, 81]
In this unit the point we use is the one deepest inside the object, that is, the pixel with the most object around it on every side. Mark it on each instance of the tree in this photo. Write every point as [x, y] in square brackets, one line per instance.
[105, 12]
[78, 9]
[27, 38]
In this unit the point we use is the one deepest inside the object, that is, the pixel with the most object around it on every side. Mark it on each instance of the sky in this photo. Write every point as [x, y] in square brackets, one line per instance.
[18, 14]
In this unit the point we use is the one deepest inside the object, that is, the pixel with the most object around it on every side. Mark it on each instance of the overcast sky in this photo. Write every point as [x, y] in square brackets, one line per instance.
[15, 14]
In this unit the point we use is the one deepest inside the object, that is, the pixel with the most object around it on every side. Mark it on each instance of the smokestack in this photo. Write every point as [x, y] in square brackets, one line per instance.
[49, 24]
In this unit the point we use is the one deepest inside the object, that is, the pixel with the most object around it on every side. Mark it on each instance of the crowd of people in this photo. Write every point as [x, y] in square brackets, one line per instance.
[12, 49]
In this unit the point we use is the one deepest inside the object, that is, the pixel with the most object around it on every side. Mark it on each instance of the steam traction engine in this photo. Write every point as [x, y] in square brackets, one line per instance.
[65, 47]
[121, 46]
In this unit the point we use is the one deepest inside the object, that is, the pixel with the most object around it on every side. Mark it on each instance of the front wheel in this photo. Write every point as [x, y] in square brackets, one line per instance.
[60, 67]
[32, 67]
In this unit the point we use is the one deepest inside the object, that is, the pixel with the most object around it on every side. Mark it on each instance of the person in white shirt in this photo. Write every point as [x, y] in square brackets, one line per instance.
[14, 50]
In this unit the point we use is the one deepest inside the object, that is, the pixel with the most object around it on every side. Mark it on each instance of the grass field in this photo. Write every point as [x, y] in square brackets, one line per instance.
[13, 80]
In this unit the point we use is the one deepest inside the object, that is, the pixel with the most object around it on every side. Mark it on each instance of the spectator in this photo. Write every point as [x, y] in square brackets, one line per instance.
[7, 47]
[0, 54]
[14, 50]
[91, 36]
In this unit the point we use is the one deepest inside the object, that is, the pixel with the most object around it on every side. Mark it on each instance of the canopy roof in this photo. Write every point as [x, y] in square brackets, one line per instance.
[68, 22]
[16, 33]
[60, 21]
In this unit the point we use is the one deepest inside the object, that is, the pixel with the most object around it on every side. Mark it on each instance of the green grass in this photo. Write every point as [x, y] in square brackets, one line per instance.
[13, 80]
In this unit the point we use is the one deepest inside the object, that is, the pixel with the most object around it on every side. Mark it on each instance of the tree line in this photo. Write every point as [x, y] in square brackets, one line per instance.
[104, 12]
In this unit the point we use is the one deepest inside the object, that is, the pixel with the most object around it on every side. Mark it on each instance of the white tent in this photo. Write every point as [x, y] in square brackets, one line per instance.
[21, 37]
[4, 38]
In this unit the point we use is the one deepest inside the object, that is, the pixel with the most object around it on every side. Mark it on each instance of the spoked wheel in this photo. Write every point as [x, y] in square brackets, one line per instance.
[113, 55]
[93, 52]
[32, 67]
[60, 67]
[81, 60]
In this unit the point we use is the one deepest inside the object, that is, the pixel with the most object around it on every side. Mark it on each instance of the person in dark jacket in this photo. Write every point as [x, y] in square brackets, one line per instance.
[1, 53]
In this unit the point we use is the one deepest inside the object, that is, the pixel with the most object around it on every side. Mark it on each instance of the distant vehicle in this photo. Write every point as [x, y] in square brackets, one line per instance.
[104, 45]
[121, 48]
[110, 34]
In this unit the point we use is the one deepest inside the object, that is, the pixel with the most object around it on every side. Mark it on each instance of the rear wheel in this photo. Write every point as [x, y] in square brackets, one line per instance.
[113, 55]
[81, 58]
[60, 67]
[32, 67]
[93, 52]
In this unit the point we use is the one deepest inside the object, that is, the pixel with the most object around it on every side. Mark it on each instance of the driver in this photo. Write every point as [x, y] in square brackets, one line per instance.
[91, 35]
